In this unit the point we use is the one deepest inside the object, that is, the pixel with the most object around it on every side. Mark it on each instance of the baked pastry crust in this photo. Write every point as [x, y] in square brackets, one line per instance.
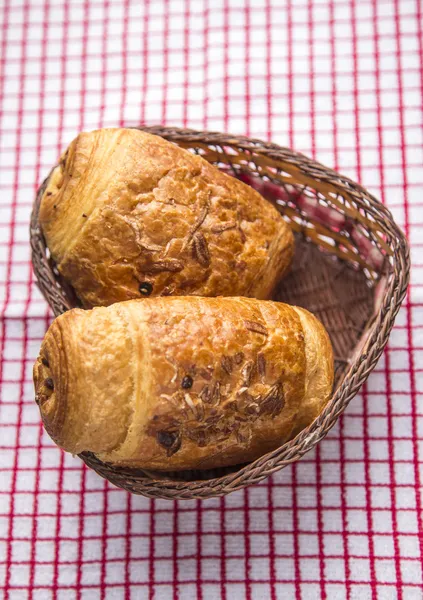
[127, 213]
[182, 382]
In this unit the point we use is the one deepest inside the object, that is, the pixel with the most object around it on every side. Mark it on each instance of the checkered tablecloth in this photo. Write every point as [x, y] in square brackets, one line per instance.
[340, 80]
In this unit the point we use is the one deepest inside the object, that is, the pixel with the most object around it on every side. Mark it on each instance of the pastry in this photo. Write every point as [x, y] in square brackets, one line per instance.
[182, 382]
[127, 214]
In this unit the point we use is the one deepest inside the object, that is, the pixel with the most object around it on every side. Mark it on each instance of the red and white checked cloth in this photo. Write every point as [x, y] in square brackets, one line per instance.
[340, 80]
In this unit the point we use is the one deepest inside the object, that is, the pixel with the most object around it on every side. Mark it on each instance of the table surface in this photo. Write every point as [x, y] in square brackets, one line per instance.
[338, 80]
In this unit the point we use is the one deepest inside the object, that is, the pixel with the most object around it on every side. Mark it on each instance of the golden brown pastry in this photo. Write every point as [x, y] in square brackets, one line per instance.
[128, 214]
[182, 382]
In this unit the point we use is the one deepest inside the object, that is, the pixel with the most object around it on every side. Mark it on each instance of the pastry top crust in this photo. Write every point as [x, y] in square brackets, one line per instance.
[182, 382]
[125, 209]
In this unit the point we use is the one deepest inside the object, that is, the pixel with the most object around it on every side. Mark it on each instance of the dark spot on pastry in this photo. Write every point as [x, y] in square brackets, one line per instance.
[166, 438]
[45, 362]
[49, 193]
[273, 402]
[256, 327]
[232, 406]
[202, 439]
[226, 364]
[261, 365]
[216, 392]
[213, 419]
[187, 382]
[145, 288]
[239, 357]
[247, 372]
[206, 394]
[200, 249]
[171, 264]
[197, 435]
[54, 205]
[224, 227]
[171, 440]
[49, 383]
[84, 215]
[204, 373]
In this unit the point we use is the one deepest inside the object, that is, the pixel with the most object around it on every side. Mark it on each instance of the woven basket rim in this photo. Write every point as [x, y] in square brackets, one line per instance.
[358, 370]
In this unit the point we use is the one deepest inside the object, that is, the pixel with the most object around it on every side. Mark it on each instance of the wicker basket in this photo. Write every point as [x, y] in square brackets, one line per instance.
[351, 269]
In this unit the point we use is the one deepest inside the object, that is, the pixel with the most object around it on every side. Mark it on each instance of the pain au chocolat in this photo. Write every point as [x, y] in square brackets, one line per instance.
[182, 382]
[127, 214]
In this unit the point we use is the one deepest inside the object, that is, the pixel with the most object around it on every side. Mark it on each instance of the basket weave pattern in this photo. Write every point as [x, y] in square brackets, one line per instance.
[351, 268]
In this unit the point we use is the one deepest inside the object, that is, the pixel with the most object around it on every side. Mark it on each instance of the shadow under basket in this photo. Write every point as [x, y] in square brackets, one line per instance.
[351, 269]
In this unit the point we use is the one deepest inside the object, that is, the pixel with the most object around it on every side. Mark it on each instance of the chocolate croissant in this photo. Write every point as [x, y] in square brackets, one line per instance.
[182, 382]
[127, 214]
